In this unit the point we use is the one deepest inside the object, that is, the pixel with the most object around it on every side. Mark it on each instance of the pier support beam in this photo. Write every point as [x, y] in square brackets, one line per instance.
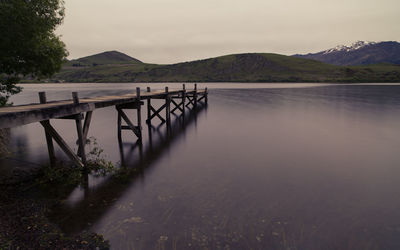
[81, 139]
[137, 130]
[167, 105]
[195, 95]
[51, 134]
[152, 112]
[181, 104]
[49, 140]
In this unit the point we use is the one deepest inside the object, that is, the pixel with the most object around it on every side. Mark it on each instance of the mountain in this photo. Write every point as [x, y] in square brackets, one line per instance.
[250, 67]
[108, 57]
[359, 53]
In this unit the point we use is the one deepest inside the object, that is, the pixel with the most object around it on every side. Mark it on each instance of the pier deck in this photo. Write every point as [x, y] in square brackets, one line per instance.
[24, 114]
[82, 109]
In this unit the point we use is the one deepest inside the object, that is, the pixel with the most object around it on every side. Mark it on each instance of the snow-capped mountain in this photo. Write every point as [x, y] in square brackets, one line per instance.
[359, 53]
[355, 46]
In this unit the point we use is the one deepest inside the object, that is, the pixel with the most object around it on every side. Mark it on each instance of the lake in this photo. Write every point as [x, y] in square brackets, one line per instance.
[263, 166]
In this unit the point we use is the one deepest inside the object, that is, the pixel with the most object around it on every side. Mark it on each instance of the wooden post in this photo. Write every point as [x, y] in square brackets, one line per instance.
[139, 113]
[49, 140]
[206, 98]
[119, 125]
[86, 125]
[195, 95]
[183, 99]
[75, 98]
[148, 106]
[167, 105]
[78, 122]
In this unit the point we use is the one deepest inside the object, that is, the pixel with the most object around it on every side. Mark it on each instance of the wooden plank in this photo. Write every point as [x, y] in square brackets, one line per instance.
[72, 117]
[25, 114]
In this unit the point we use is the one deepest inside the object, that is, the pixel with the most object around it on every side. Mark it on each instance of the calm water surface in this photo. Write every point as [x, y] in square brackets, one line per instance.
[264, 166]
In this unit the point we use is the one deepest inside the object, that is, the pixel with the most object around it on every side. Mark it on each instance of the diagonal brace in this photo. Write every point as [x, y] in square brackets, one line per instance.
[177, 106]
[135, 129]
[191, 101]
[156, 113]
[63, 145]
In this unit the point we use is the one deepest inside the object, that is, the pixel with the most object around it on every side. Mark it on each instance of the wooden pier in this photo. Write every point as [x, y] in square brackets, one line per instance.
[81, 109]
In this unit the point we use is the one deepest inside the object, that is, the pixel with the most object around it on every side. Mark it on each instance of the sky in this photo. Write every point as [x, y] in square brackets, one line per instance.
[172, 31]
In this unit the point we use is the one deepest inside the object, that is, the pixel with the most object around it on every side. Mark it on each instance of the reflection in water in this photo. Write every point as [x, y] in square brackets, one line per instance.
[135, 160]
[277, 167]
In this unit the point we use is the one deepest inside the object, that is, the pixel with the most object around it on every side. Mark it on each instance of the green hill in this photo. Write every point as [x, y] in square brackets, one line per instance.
[253, 67]
[108, 57]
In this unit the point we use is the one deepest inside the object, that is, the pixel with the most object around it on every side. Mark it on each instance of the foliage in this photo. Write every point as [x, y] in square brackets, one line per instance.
[28, 44]
[67, 176]
[97, 163]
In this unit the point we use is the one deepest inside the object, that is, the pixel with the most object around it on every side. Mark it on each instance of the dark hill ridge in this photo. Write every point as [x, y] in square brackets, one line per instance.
[251, 67]
[108, 57]
[360, 53]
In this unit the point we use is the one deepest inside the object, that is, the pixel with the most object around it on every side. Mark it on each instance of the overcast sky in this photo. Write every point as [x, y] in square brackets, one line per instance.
[171, 31]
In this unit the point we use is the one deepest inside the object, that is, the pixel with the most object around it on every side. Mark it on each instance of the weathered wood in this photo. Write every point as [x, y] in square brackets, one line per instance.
[49, 140]
[191, 101]
[42, 97]
[78, 122]
[50, 145]
[71, 117]
[74, 109]
[195, 95]
[206, 95]
[201, 98]
[183, 99]
[148, 105]
[167, 105]
[63, 145]
[81, 140]
[134, 129]
[119, 125]
[24, 114]
[75, 98]
[86, 125]
[157, 113]
[139, 113]
[177, 106]
[132, 105]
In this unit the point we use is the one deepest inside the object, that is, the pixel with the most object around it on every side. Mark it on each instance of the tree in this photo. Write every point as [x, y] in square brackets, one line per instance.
[28, 43]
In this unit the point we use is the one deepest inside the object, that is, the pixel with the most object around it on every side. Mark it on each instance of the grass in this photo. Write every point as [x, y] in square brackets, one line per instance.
[254, 67]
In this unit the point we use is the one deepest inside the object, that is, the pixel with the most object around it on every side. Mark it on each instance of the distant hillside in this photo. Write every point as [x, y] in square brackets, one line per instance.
[105, 58]
[359, 53]
[252, 67]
